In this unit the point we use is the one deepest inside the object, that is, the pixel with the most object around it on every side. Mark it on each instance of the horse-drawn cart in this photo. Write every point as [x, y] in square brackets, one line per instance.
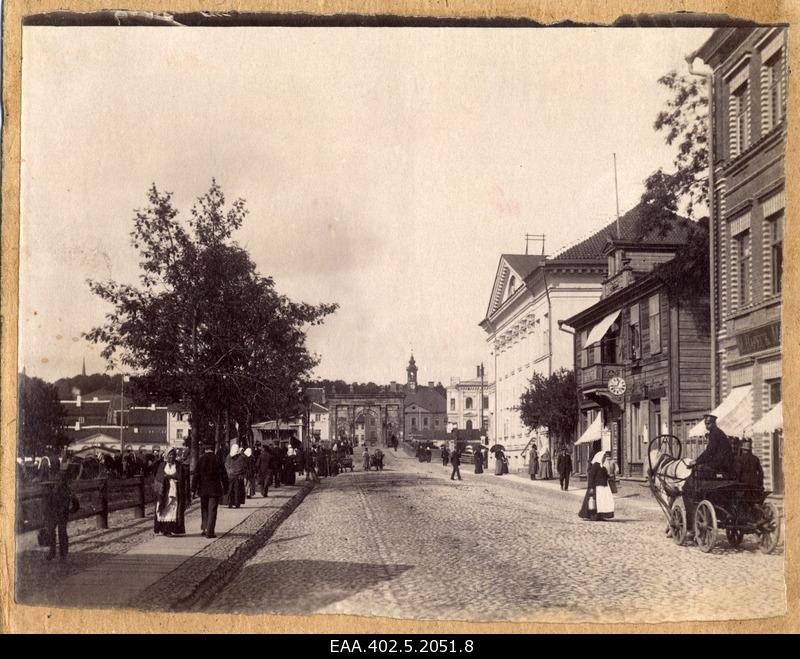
[719, 503]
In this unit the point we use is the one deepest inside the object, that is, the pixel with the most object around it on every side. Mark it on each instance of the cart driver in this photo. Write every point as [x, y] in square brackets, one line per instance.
[717, 458]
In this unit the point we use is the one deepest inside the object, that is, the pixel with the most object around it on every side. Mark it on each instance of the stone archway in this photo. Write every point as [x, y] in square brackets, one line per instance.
[382, 416]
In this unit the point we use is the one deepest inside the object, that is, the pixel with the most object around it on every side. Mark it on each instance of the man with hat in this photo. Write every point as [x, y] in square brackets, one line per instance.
[210, 481]
[716, 459]
[747, 467]
[718, 456]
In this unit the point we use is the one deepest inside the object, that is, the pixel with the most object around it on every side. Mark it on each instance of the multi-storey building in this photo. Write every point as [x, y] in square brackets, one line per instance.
[642, 358]
[747, 179]
[530, 294]
[468, 404]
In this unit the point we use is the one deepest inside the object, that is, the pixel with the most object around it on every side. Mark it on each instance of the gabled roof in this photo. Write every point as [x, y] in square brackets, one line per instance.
[87, 409]
[428, 399]
[316, 408]
[519, 265]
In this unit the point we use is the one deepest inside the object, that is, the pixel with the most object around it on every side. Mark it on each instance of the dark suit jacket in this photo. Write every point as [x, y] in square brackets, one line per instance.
[718, 455]
[210, 479]
[564, 464]
[264, 462]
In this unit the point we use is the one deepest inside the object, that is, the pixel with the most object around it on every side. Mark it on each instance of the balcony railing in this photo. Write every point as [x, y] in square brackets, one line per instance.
[597, 375]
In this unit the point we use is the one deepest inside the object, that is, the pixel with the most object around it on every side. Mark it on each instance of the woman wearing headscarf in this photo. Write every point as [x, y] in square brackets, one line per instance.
[546, 469]
[236, 468]
[598, 503]
[250, 472]
[170, 497]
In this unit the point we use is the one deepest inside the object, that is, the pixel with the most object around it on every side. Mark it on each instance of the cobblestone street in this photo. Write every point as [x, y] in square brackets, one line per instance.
[410, 543]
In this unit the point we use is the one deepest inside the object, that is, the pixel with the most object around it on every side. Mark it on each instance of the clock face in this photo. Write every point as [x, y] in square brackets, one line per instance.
[616, 386]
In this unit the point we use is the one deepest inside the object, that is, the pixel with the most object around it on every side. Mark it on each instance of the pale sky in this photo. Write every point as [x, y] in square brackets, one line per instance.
[384, 169]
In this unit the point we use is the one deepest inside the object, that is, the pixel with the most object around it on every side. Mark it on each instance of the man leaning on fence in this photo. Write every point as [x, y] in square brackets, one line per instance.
[210, 481]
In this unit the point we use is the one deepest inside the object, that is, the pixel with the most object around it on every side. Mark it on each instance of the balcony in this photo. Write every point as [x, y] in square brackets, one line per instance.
[597, 375]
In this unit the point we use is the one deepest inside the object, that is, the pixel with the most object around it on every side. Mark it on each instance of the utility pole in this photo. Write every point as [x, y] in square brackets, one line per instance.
[616, 193]
[481, 375]
[536, 237]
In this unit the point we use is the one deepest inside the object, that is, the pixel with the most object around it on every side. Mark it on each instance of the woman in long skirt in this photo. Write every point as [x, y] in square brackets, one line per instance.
[598, 503]
[478, 460]
[499, 459]
[171, 502]
[236, 467]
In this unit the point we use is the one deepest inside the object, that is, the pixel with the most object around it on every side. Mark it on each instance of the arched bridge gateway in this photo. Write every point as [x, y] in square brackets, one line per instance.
[372, 418]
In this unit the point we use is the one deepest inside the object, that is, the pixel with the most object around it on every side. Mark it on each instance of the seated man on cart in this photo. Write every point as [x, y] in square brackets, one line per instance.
[716, 459]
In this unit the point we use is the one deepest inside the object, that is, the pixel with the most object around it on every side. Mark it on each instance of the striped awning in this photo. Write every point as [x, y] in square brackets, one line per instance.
[734, 414]
[593, 432]
[770, 422]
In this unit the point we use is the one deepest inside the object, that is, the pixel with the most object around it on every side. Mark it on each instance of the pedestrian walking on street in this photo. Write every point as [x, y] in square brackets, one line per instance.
[236, 467]
[250, 473]
[59, 502]
[478, 460]
[264, 467]
[277, 466]
[366, 458]
[533, 464]
[598, 503]
[546, 469]
[455, 460]
[209, 482]
[170, 497]
[445, 455]
[499, 462]
[564, 467]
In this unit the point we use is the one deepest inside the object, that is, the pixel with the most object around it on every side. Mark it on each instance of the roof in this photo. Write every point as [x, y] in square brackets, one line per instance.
[316, 408]
[111, 435]
[630, 230]
[524, 264]
[427, 398]
[138, 416]
[316, 394]
[87, 408]
[100, 394]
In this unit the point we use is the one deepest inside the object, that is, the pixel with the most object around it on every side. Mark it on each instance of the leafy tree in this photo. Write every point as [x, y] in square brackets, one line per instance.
[684, 123]
[203, 326]
[40, 417]
[551, 402]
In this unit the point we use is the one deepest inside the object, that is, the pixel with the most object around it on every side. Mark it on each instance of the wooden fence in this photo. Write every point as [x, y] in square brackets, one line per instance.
[97, 498]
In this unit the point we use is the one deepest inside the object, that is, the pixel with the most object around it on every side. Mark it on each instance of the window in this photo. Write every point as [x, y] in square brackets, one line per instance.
[636, 431]
[317, 417]
[468, 403]
[425, 422]
[486, 402]
[635, 334]
[512, 285]
[776, 252]
[452, 404]
[655, 426]
[774, 392]
[772, 85]
[179, 433]
[469, 425]
[608, 345]
[744, 249]
[654, 315]
[741, 119]
[436, 422]
[413, 422]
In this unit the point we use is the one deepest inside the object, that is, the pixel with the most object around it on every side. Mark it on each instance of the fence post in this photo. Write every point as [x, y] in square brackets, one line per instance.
[101, 519]
[140, 489]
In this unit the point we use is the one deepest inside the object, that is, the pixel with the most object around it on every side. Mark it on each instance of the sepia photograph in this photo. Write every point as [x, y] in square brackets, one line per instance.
[424, 320]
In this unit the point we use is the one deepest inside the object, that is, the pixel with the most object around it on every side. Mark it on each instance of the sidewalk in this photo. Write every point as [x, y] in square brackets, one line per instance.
[174, 572]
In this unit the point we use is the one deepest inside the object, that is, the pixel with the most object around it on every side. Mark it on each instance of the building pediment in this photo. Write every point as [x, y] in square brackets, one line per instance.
[510, 278]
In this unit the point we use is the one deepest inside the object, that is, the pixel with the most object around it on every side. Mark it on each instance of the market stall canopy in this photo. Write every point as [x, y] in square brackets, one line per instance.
[599, 330]
[593, 432]
[734, 414]
[770, 422]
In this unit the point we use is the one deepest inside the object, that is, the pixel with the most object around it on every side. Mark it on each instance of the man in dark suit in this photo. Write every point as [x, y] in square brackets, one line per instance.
[210, 481]
[564, 468]
[747, 467]
[265, 470]
[455, 460]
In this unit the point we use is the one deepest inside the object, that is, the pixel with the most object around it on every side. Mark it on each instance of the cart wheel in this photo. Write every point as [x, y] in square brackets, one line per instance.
[677, 524]
[769, 529]
[734, 536]
[705, 526]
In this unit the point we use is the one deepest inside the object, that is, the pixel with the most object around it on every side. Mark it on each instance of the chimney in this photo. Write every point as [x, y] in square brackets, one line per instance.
[78, 401]
[430, 383]
[393, 387]
[153, 406]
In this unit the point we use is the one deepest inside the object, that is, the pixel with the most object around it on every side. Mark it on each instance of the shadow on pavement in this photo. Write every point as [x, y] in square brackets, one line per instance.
[303, 586]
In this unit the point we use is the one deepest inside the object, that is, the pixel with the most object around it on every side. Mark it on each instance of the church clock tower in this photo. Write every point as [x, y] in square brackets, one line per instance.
[411, 369]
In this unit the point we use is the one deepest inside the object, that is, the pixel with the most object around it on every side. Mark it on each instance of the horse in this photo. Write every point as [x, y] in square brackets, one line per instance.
[667, 472]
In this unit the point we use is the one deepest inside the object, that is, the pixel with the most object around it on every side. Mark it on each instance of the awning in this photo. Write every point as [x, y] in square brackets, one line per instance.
[593, 432]
[599, 330]
[734, 414]
[770, 422]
